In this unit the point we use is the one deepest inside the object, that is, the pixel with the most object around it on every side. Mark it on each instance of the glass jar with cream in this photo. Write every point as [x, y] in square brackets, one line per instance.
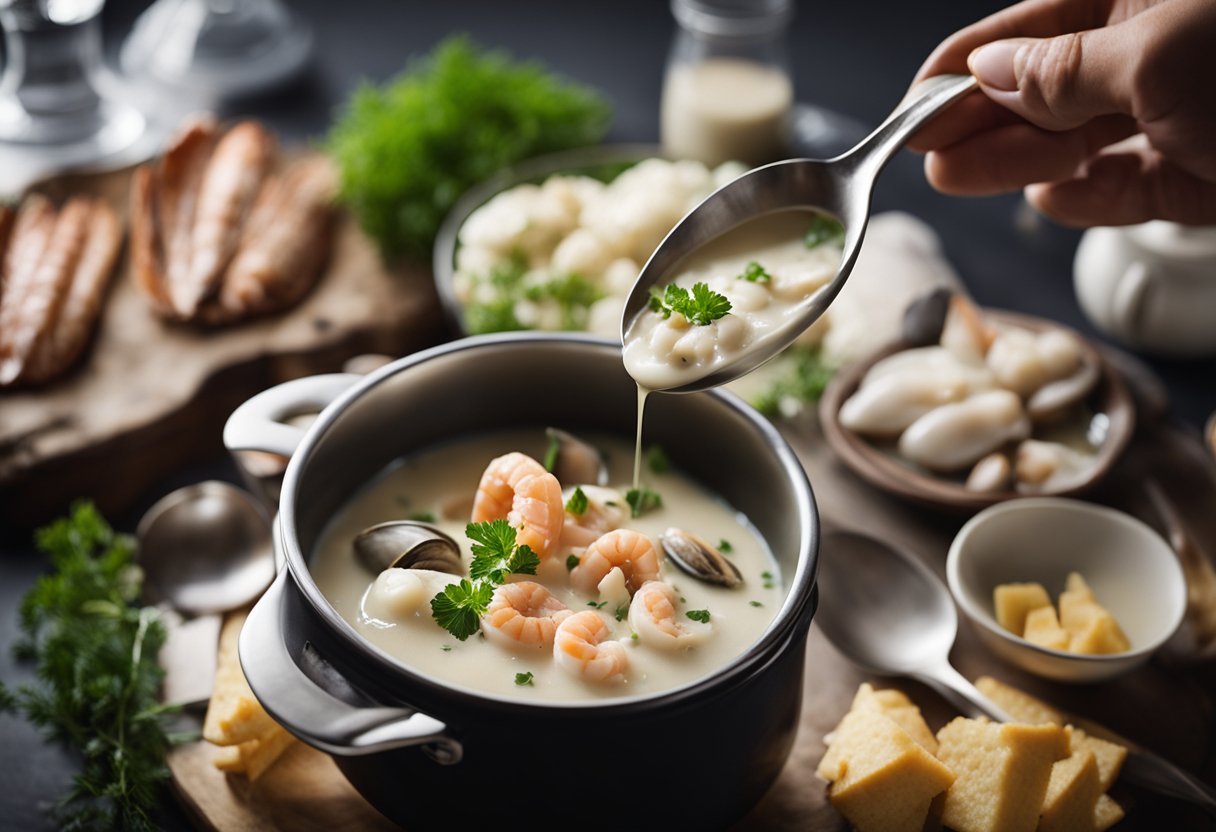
[727, 94]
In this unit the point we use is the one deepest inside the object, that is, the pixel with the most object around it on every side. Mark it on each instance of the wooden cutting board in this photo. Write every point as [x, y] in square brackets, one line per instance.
[1169, 709]
[150, 396]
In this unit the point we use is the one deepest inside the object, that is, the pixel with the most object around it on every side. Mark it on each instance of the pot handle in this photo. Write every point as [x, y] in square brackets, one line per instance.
[257, 425]
[313, 714]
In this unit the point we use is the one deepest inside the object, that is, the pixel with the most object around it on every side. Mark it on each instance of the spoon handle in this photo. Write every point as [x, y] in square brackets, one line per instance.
[957, 690]
[922, 103]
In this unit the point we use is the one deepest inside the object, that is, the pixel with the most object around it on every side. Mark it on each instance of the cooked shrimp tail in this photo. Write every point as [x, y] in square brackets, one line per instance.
[583, 646]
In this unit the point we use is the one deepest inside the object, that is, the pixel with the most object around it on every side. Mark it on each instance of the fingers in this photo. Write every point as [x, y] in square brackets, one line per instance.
[968, 116]
[1126, 184]
[1008, 157]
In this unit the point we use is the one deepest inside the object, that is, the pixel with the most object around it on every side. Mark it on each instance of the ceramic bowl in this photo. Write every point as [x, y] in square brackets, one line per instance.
[1133, 572]
[878, 463]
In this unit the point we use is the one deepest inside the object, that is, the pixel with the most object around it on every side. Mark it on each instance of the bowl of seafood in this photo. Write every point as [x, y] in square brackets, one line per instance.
[486, 576]
[973, 407]
[1066, 589]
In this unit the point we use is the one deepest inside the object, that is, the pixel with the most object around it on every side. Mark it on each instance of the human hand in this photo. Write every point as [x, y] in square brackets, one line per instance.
[1103, 110]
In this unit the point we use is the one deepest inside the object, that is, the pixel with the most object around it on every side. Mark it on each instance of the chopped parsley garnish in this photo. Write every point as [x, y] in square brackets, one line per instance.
[755, 273]
[574, 295]
[577, 504]
[555, 447]
[702, 307]
[599, 605]
[805, 376]
[447, 648]
[621, 612]
[423, 516]
[571, 562]
[768, 579]
[755, 603]
[523, 678]
[699, 615]
[642, 500]
[724, 546]
[656, 459]
[824, 230]
[459, 606]
[495, 556]
[498, 313]
[633, 636]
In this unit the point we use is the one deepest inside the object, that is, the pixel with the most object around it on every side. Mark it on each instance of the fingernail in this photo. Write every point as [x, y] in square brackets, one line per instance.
[993, 65]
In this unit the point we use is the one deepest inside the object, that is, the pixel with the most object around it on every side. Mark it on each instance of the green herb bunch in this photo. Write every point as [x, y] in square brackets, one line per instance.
[408, 149]
[94, 651]
[496, 555]
[805, 375]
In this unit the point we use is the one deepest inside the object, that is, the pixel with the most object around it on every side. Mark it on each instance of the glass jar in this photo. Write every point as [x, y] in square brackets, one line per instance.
[727, 93]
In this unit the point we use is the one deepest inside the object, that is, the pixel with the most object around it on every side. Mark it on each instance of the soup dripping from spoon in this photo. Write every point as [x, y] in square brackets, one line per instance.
[839, 187]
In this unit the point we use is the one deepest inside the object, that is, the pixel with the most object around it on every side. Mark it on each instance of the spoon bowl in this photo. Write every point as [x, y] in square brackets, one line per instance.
[205, 548]
[840, 187]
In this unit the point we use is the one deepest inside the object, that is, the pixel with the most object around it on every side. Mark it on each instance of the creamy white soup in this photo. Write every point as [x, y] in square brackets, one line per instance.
[767, 270]
[645, 626]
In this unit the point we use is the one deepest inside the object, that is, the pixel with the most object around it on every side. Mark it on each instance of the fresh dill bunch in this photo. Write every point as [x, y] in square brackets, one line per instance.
[94, 651]
[409, 148]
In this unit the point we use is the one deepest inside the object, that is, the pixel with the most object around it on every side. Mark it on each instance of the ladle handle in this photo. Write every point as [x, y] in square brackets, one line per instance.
[310, 712]
[260, 423]
[921, 104]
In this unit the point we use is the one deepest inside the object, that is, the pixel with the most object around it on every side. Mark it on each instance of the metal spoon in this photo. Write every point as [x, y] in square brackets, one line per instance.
[205, 548]
[890, 615]
[841, 186]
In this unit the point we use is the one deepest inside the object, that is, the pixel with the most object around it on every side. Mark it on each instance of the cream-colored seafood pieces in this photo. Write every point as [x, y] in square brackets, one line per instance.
[607, 614]
[767, 270]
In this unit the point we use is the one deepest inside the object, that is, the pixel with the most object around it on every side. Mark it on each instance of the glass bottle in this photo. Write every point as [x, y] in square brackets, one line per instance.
[727, 94]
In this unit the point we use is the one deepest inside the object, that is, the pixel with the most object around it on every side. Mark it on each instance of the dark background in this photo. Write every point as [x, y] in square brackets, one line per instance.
[854, 58]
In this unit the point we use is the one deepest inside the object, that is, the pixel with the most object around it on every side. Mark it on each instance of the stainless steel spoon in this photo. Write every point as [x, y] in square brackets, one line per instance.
[889, 614]
[205, 548]
[841, 186]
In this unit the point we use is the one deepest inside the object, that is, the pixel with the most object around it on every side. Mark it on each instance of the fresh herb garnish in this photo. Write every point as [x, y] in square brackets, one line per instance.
[447, 648]
[699, 615]
[823, 230]
[495, 555]
[755, 603]
[497, 313]
[555, 448]
[423, 516]
[574, 295]
[599, 605]
[702, 307]
[803, 382]
[621, 612]
[95, 654]
[577, 504]
[633, 636]
[656, 459]
[642, 500]
[755, 273]
[724, 546]
[408, 149]
[571, 562]
[768, 579]
[459, 606]
[523, 678]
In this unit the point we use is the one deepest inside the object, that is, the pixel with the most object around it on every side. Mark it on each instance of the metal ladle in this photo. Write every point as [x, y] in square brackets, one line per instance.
[890, 615]
[841, 187]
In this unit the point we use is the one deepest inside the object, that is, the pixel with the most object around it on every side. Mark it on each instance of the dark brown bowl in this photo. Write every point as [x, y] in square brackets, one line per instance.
[875, 463]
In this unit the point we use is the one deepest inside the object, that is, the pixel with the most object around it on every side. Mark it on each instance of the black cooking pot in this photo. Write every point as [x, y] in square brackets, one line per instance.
[424, 751]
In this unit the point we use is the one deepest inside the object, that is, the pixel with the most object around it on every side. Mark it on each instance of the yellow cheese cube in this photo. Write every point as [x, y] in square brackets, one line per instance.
[1072, 794]
[1109, 755]
[234, 715]
[1076, 584]
[1101, 635]
[899, 708]
[1043, 629]
[1013, 602]
[1076, 609]
[1021, 706]
[1106, 814]
[1001, 771]
[883, 780]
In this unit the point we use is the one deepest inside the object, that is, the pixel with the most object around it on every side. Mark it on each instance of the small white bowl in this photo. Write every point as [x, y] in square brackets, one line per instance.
[1133, 572]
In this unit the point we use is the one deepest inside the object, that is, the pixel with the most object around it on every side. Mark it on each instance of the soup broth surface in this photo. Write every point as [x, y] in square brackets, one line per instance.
[441, 482]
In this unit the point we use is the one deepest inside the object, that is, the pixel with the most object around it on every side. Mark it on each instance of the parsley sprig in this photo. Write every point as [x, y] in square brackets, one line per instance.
[459, 606]
[755, 273]
[578, 503]
[702, 307]
[824, 230]
[642, 500]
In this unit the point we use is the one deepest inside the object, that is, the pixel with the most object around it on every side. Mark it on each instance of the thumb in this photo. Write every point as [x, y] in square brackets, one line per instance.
[1058, 83]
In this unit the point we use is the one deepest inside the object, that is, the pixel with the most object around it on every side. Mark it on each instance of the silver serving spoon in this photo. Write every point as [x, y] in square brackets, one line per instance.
[204, 549]
[841, 187]
[889, 614]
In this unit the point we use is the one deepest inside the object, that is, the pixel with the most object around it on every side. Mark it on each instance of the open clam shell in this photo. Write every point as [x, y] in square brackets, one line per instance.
[407, 544]
[693, 555]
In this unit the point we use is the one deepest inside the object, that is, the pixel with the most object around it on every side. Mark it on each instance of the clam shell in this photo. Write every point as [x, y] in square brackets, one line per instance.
[578, 462]
[407, 544]
[696, 557]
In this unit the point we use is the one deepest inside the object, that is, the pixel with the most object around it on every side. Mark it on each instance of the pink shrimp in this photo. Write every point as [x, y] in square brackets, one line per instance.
[652, 615]
[518, 488]
[584, 647]
[522, 615]
[632, 551]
